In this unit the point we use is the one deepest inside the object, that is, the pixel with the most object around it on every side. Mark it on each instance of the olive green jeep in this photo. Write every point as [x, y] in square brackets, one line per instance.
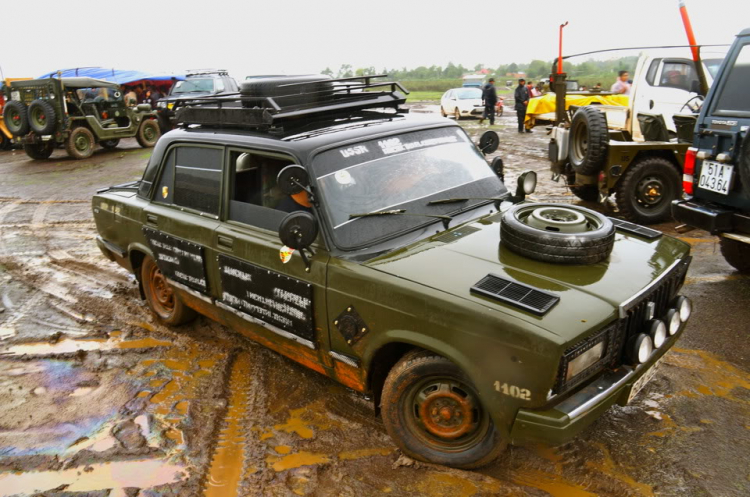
[76, 112]
[319, 219]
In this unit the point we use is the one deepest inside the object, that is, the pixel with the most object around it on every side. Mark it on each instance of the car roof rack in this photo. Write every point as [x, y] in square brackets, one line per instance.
[308, 101]
[206, 72]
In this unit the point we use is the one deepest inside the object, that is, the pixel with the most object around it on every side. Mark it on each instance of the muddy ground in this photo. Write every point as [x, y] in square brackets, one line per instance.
[100, 400]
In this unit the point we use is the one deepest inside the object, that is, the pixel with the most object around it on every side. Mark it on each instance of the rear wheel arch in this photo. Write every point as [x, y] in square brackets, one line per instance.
[136, 256]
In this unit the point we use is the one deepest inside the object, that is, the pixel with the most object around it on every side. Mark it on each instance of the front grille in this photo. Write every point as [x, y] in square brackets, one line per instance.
[525, 297]
[633, 317]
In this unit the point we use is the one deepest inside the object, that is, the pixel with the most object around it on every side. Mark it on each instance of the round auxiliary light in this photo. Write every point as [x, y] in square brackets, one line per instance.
[642, 348]
[684, 308]
[658, 332]
[529, 183]
[673, 321]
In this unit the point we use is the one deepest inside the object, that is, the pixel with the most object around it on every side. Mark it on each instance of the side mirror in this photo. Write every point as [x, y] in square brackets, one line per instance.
[489, 142]
[298, 230]
[292, 180]
[526, 186]
[498, 168]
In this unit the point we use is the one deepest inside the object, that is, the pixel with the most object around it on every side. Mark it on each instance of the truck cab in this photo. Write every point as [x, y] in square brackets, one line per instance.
[716, 175]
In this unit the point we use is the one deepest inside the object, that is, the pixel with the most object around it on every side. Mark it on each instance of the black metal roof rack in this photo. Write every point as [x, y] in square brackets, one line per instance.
[296, 104]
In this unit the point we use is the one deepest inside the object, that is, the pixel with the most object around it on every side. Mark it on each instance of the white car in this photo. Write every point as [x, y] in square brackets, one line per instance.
[462, 102]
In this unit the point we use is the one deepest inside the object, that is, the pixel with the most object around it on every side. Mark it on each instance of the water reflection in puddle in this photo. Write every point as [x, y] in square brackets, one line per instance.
[70, 345]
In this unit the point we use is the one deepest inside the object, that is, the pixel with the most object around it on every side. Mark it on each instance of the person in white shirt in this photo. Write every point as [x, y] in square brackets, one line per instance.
[621, 86]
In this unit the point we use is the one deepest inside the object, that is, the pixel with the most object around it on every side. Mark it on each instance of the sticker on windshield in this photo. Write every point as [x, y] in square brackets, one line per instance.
[344, 178]
[395, 145]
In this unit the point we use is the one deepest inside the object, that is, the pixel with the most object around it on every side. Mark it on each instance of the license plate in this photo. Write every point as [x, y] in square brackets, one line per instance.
[716, 177]
[641, 382]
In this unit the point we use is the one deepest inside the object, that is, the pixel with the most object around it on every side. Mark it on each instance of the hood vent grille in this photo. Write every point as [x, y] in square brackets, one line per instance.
[522, 296]
[636, 229]
[454, 235]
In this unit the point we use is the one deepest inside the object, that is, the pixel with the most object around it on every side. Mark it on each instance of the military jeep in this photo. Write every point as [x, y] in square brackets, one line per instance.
[382, 250]
[75, 112]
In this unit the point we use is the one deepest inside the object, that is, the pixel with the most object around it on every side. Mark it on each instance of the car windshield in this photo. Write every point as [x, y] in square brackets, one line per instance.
[469, 93]
[110, 94]
[403, 171]
[193, 85]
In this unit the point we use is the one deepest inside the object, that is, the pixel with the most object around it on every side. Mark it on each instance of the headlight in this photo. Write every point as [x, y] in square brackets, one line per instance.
[583, 361]
[673, 321]
[658, 332]
[641, 348]
[684, 308]
[161, 105]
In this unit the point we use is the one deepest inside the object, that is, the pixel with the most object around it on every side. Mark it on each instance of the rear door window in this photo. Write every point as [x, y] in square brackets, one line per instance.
[197, 178]
[733, 95]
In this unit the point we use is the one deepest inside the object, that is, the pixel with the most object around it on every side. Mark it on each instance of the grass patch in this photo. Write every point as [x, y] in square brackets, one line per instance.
[423, 96]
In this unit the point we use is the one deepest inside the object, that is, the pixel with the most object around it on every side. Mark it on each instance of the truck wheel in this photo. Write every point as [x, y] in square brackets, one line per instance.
[15, 117]
[39, 151]
[42, 117]
[167, 306]
[589, 193]
[148, 133]
[736, 253]
[110, 144]
[562, 234]
[80, 143]
[644, 194]
[589, 141]
[433, 413]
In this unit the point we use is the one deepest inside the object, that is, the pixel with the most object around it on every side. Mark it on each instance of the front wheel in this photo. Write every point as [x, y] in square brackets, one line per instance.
[148, 133]
[167, 306]
[432, 412]
[736, 253]
[457, 114]
[644, 194]
[110, 144]
[589, 193]
[80, 143]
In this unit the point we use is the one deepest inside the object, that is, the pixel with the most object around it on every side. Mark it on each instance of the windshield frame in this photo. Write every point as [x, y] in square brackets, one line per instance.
[453, 210]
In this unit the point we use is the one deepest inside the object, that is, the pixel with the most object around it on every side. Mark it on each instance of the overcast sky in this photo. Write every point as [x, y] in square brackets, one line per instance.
[294, 36]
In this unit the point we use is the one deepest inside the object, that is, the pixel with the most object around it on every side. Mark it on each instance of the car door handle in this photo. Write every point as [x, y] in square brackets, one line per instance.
[226, 242]
[152, 219]
[650, 104]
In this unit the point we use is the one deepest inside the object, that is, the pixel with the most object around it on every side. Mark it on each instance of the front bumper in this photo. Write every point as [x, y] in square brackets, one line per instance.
[567, 419]
[711, 218]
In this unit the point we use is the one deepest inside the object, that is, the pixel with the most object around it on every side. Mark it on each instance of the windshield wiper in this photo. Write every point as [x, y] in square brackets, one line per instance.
[402, 212]
[455, 200]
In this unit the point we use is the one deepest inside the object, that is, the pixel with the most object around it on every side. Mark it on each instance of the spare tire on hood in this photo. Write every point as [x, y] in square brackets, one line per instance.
[562, 234]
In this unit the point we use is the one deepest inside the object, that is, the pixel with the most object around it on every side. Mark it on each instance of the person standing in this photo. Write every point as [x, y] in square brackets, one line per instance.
[621, 86]
[522, 101]
[489, 99]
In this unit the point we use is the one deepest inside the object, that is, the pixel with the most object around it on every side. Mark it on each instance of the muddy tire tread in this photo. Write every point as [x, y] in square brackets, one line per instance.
[598, 141]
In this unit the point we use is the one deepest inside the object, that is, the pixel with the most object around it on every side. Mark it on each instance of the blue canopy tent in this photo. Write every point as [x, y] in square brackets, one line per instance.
[119, 76]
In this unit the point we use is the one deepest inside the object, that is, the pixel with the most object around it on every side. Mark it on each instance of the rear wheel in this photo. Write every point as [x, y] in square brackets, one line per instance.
[167, 306]
[433, 413]
[39, 151]
[589, 193]
[442, 112]
[80, 143]
[110, 144]
[644, 194]
[148, 133]
[736, 253]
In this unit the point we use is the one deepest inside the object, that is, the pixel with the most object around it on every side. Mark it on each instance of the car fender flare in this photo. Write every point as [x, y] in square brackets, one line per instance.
[133, 249]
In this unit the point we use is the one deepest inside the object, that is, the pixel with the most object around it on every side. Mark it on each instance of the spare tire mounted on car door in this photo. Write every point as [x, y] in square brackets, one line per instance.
[589, 141]
[563, 234]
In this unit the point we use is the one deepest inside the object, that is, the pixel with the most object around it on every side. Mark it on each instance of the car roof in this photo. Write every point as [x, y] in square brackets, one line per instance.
[303, 142]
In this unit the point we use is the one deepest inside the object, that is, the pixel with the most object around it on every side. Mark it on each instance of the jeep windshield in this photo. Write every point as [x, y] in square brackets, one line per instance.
[402, 171]
[197, 85]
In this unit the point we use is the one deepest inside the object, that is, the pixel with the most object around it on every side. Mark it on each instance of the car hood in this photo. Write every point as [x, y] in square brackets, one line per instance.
[590, 295]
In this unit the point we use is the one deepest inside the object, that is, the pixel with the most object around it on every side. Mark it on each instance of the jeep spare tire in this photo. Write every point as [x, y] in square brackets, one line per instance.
[274, 86]
[562, 234]
[42, 117]
[15, 117]
[589, 141]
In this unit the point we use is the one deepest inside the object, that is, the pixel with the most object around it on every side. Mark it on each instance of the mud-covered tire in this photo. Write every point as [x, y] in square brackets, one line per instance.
[468, 439]
[110, 144]
[589, 141]
[160, 296]
[645, 192]
[80, 143]
[39, 151]
[592, 241]
[16, 118]
[148, 133]
[442, 112]
[42, 117]
[736, 253]
[272, 86]
[456, 114]
[589, 193]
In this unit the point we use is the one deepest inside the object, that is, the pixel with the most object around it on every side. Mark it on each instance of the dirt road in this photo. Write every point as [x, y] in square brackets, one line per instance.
[100, 400]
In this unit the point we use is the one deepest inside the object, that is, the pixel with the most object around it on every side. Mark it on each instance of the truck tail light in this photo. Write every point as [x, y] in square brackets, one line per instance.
[688, 169]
